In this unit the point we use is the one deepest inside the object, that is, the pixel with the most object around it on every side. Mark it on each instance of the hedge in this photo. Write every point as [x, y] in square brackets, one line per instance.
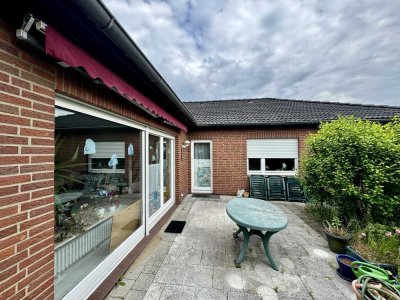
[354, 165]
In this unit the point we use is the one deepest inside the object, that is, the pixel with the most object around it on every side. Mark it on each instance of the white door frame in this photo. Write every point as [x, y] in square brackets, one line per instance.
[166, 204]
[201, 191]
[89, 284]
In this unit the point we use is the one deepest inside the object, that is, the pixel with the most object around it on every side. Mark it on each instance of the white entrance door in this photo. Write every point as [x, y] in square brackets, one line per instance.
[201, 166]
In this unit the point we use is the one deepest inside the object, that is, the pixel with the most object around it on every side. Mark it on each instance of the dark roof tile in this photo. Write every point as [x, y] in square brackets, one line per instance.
[270, 111]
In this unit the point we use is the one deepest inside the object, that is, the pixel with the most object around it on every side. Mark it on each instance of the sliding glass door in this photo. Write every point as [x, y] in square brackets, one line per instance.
[98, 201]
[160, 162]
[114, 180]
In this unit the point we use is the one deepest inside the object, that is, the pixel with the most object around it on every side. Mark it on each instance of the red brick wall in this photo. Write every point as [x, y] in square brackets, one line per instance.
[230, 154]
[26, 171]
[182, 174]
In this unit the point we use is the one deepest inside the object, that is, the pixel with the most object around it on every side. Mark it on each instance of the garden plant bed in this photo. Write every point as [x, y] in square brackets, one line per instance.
[393, 268]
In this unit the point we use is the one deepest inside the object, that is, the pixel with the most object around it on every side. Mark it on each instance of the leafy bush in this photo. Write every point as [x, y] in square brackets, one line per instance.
[354, 165]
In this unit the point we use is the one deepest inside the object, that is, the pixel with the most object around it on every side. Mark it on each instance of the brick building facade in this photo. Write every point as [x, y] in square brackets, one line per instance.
[28, 86]
[230, 157]
[31, 84]
[27, 151]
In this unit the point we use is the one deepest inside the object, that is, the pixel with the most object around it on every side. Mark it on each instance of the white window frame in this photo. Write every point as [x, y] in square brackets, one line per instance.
[265, 172]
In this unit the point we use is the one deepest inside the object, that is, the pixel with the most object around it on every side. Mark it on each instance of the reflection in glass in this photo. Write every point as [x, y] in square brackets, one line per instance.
[167, 169]
[154, 174]
[97, 196]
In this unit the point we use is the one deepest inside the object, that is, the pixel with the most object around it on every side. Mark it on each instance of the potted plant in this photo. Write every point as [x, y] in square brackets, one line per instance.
[338, 236]
[344, 262]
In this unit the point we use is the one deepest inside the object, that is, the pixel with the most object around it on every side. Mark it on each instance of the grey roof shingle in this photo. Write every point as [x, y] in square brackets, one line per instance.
[270, 111]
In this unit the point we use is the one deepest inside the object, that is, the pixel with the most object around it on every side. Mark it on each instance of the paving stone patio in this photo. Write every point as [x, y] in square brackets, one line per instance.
[198, 263]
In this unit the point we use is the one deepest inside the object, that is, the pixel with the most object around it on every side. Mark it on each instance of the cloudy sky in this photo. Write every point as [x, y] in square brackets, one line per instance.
[339, 50]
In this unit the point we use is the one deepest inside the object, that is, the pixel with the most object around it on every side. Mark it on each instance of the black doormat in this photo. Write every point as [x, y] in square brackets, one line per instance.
[175, 226]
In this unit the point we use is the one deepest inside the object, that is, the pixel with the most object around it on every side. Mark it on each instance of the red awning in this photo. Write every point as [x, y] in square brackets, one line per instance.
[64, 50]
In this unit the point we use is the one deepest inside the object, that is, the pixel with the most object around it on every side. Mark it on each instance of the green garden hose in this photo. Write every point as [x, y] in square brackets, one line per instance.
[375, 289]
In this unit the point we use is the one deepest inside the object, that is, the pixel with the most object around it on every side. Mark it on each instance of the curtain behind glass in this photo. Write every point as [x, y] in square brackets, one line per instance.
[201, 151]
[154, 174]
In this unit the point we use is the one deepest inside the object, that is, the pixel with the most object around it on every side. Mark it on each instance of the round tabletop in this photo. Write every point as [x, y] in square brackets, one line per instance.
[256, 214]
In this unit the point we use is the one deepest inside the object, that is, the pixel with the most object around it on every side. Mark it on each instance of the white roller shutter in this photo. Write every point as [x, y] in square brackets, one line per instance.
[106, 149]
[272, 148]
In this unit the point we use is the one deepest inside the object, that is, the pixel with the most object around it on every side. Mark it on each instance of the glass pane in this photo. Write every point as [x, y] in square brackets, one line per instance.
[167, 169]
[102, 164]
[202, 151]
[254, 164]
[279, 164]
[154, 174]
[98, 193]
[202, 165]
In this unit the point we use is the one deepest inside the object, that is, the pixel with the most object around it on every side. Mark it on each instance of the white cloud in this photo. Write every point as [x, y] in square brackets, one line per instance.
[320, 50]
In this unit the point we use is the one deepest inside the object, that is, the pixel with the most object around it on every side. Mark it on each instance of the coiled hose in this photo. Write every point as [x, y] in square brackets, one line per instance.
[370, 288]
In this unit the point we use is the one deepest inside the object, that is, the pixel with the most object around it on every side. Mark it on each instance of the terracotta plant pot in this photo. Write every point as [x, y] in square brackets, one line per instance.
[337, 244]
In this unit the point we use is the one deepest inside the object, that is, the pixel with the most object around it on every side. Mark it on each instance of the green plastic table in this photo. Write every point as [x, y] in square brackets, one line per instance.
[253, 217]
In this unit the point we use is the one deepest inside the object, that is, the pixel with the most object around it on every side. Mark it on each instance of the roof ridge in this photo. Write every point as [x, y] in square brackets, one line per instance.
[293, 100]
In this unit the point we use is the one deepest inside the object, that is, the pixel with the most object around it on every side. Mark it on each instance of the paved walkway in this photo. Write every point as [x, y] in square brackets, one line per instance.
[198, 263]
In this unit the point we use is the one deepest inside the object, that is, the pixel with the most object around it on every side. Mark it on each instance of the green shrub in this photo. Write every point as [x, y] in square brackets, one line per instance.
[354, 165]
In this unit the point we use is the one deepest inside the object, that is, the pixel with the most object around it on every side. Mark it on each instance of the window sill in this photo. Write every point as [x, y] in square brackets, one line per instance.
[107, 171]
[279, 173]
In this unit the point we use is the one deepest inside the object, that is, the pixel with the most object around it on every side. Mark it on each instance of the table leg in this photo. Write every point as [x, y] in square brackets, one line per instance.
[243, 250]
[236, 233]
[265, 239]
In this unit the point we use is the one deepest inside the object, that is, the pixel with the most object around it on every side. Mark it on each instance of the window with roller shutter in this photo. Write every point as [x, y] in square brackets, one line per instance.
[272, 156]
